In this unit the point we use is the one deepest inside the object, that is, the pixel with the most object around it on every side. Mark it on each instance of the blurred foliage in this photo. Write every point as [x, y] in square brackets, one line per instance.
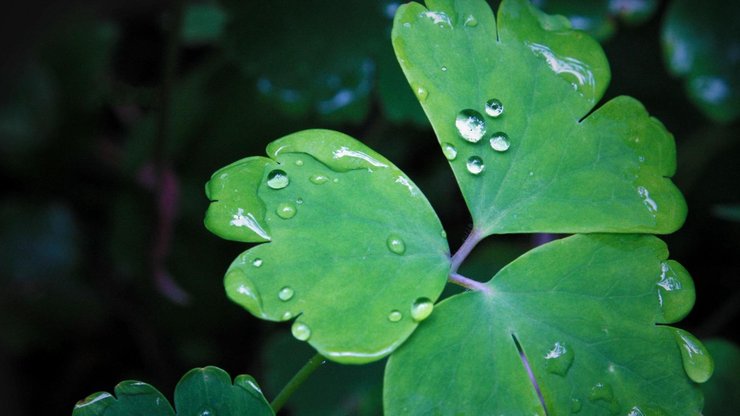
[79, 309]
[722, 391]
[599, 17]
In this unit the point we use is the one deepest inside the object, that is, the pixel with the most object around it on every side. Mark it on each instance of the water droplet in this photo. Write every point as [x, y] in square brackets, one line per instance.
[207, 412]
[335, 180]
[257, 262]
[300, 331]
[277, 179]
[286, 210]
[635, 411]
[470, 125]
[286, 294]
[421, 309]
[395, 316]
[494, 107]
[318, 179]
[421, 93]
[241, 290]
[449, 151]
[576, 72]
[444, 68]
[471, 21]
[443, 234]
[650, 203]
[697, 362]
[676, 293]
[299, 162]
[299, 201]
[286, 315]
[396, 244]
[500, 142]
[601, 391]
[475, 165]
[559, 359]
[440, 19]
[575, 405]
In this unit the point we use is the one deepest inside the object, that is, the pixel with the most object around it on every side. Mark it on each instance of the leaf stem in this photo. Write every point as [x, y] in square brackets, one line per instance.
[468, 283]
[298, 379]
[462, 253]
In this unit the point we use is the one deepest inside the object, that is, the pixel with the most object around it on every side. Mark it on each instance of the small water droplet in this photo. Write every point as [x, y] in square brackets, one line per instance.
[257, 262]
[207, 412]
[318, 179]
[396, 244]
[471, 21]
[494, 107]
[559, 359]
[286, 293]
[286, 210]
[299, 162]
[475, 165]
[421, 93]
[470, 125]
[241, 289]
[449, 151]
[395, 316]
[443, 234]
[601, 391]
[649, 203]
[286, 315]
[444, 68]
[277, 179]
[575, 405]
[500, 142]
[697, 362]
[299, 201]
[335, 180]
[300, 331]
[641, 159]
[421, 309]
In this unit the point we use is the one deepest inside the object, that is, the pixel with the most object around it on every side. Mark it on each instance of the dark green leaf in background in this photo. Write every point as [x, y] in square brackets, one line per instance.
[722, 391]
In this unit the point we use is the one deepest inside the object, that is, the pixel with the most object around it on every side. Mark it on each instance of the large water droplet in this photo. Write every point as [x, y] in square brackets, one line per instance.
[449, 151]
[300, 331]
[494, 107]
[277, 179]
[576, 72]
[470, 125]
[395, 316]
[318, 179]
[396, 244]
[697, 362]
[676, 293]
[241, 290]
[559, 359]
[475, 165]
[500, 142]
[471, 21]
[286, 294]
[421, 309]
[421, 93]
[601, 391]
[257, 262]
[286, 210]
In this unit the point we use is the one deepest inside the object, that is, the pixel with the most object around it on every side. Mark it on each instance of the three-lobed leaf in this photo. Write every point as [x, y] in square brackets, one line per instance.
[531, 161]
[355, 255]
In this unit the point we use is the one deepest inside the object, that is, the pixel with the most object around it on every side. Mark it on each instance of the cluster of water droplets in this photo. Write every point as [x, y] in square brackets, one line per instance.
[472, 127]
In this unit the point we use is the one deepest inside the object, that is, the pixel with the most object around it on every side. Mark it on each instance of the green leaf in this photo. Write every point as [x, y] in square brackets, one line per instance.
[554, 171]
[202, 23]
[598, 17]
[722, 391]
[583, 310]
[700, 44]
[355, 251]
[202, 391]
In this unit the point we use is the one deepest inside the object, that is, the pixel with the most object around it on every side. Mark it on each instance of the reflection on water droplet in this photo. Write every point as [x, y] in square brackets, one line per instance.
[470, 125]
[449, 151]
[421, 93]
[319, 179]
[578, 73]
[299, 201]
[277, 179]
[207, 412]
[559, 359]
[494, 107]
[575, 405]
[257, 262]
[395, 316]
[676, 294]
[396, 244]
[500, 142]
[697, 362]
[471, 21]
[286, 294]
[668, 279]
[444, 68]
[300, 331]
[635, 411]
[299, 162]
[286, 210]
[601, 391]
[475, 165]
[439, 18]
[286, 315]
[421, 309]
[650, 203]
[241, 290]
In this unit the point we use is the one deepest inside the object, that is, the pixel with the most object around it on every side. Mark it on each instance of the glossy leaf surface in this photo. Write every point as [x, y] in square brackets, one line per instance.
[202, 391]
[534, 163]
[354, 245]
[701, 43]
[584, 311]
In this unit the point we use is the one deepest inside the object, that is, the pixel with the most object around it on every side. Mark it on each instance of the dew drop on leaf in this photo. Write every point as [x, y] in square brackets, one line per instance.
[395, 316]
[318, 179]
[286, 315]
[449, 151]
[601, 391]
[257, 262]
[286, 294]
[500, 142]
[300, 331]
[494, 107]
[575, 405]
[242, 291]
[396, 244]
[650, 203]
[475, 165]
[421, 93]
[559, 359]
[444, 68]
[206, 412]
[286, 210]
[277, 179]
[471, 21]
[470, 125]
[299, 162]
[697, 362]
[421, 309]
